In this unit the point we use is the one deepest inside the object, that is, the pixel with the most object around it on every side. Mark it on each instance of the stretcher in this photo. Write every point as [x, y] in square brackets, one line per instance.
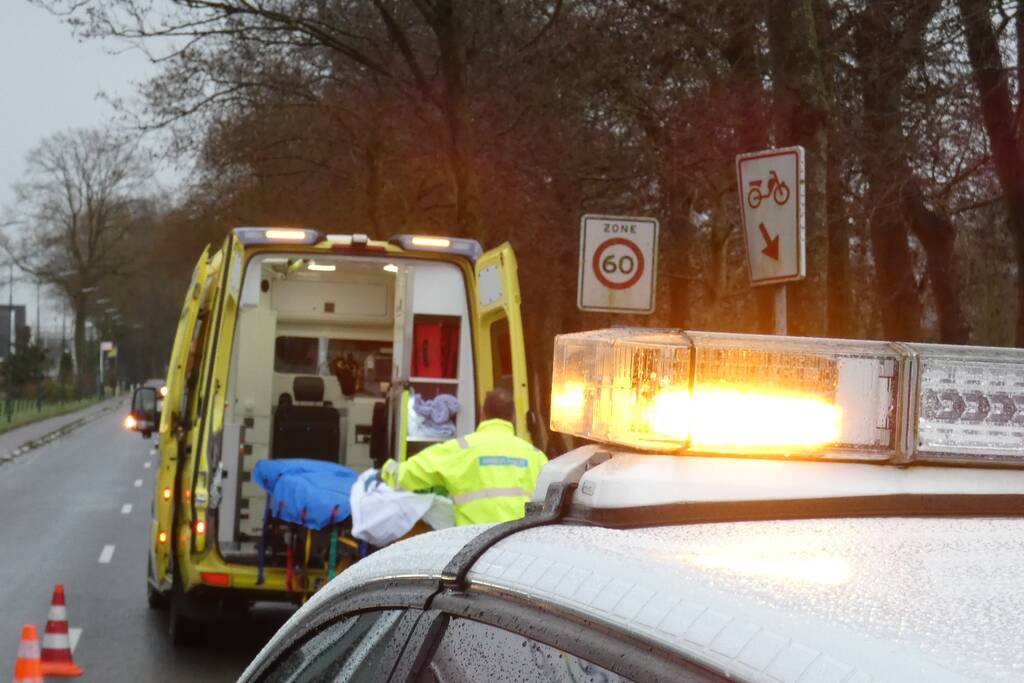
[307, 518]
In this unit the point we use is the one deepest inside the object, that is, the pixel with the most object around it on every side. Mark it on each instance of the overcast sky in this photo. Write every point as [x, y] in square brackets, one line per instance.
[49, 82]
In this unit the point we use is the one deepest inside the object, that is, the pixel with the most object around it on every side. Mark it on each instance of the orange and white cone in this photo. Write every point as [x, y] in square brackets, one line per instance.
[27, 668]
[56, 657]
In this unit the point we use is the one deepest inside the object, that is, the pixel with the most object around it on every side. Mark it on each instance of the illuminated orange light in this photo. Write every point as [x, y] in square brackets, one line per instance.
[162, 537]
[752, 420]
[130, 422]
[439, 242]
[200, 527]
[167, 493]
[568, 402]
[286, 235]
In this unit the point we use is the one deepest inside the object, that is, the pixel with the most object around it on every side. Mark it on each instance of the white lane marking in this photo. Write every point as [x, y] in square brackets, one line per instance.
[106, 554]
[138, 483]
[73, 635]
[152, 451]
[147, 465]
[126, 509]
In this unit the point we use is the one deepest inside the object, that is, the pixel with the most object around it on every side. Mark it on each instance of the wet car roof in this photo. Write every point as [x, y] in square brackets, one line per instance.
[808, 600]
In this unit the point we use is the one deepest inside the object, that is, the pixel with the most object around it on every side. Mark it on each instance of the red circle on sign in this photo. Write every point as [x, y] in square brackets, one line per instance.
[596, 264]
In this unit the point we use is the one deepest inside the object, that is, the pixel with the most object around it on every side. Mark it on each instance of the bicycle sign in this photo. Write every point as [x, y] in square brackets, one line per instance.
[777, 190]
[771, 189]
[618, 255]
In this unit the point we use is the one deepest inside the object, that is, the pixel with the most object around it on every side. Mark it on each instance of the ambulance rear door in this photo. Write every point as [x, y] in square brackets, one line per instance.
[500, 349]
[173, 423]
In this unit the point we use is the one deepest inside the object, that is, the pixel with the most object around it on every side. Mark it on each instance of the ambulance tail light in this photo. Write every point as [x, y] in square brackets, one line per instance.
[471, 249]
[215, 578]
[970, 405]
[729, 394]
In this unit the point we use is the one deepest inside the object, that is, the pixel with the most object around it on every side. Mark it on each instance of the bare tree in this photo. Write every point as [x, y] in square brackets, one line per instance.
[75, 213]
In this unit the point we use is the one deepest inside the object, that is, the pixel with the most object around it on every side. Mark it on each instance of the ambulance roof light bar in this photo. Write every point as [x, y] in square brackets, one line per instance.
[275, 235]
[471, 249]
[751, 395]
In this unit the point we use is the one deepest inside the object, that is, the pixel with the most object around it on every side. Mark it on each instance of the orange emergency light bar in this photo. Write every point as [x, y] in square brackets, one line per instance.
[711, 393]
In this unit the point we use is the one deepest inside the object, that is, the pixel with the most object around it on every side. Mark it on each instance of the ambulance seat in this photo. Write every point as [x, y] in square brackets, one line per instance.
[306, 427]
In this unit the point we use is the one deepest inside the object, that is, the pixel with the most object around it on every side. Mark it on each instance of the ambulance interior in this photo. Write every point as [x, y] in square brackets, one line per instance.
[324, 351]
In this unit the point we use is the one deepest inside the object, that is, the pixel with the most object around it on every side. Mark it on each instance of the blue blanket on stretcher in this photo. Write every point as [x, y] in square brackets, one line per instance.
[312, 493]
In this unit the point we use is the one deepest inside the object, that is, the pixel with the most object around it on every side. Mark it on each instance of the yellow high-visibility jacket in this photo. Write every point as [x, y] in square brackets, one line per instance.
[489, 474]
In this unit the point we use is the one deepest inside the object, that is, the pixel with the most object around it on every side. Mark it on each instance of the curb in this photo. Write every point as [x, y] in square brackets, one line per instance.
[32, 444]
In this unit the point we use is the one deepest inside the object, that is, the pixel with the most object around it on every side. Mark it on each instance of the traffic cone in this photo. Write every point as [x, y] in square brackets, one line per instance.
[56, 659]
[27, 668]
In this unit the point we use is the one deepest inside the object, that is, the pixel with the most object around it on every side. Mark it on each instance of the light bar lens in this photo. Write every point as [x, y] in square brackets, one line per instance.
[276, 235]
[321, 267]
[436, 242]
[471, 249]
[286, 235]
[790, 395]
[970, 404]
[717, 393]
[623, 386]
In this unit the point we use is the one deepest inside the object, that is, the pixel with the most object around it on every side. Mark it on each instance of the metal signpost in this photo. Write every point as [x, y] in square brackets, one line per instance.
[618, 264]
[772, 203]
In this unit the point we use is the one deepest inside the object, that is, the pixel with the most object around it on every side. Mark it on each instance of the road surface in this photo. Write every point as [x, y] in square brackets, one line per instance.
[76, 511]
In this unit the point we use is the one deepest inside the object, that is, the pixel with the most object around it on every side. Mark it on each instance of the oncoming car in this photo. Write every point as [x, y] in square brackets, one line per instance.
[754, 509]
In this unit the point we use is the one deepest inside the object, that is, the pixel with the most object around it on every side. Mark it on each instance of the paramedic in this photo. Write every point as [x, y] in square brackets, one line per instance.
[489, 474]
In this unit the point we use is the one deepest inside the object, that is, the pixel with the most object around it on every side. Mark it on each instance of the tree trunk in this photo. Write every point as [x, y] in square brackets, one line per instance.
[448, 24]
[801, 118]
[750, 114]
[937, 236]
[839, 291]
[990, 77]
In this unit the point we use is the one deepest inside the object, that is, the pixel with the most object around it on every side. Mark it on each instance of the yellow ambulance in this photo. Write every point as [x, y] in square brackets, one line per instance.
[298, 344]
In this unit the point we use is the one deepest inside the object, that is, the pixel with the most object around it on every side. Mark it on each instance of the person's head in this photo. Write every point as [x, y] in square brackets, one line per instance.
[499, 404]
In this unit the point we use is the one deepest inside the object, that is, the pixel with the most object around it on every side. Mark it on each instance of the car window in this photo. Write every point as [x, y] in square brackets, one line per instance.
[351, 649]
[472, 651]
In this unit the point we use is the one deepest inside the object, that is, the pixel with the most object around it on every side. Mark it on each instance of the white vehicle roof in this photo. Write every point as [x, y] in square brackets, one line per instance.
[854, 599]
[845, 598]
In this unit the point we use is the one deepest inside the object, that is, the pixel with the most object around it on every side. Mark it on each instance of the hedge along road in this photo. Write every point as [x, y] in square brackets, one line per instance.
[70, 513]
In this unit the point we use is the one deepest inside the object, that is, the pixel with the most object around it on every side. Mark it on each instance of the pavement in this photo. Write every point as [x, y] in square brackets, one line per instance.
[18, 441]
[76, 510]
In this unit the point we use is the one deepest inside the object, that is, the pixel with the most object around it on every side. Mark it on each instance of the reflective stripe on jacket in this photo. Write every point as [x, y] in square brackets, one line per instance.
[489, 474]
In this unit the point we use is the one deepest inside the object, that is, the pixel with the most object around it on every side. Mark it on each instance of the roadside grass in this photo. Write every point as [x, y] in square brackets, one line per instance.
[27, 412]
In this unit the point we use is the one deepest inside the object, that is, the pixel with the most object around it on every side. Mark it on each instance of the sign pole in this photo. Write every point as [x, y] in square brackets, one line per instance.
[780, 310]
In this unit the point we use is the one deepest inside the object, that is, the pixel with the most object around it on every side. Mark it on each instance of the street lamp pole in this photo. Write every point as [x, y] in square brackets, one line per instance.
[11, 318]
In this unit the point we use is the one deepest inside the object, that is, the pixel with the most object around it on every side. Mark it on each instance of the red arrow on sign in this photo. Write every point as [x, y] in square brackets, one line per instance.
[771, 249]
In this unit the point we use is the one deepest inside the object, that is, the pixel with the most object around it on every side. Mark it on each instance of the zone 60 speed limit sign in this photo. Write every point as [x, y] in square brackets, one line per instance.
[618, 260]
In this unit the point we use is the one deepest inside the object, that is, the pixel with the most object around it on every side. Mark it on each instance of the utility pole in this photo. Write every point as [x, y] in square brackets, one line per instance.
[11, 318]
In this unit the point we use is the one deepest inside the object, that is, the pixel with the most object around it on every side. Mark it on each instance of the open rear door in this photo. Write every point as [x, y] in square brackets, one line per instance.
[172, 433]
[501, 354]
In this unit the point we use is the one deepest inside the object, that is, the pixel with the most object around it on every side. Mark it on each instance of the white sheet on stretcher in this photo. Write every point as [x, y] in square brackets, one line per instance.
[381, 516]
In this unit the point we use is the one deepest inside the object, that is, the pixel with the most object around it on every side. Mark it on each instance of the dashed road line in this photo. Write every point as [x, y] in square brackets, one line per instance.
[126, 509]
[106, 554]
[147, 465]
[138, 483]
[152, 451]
